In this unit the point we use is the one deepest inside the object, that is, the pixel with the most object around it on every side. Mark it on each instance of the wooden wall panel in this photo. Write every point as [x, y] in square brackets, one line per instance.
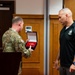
[35, 27]
[55, 28]
[71, 5]
[31, 71]
[34, 64]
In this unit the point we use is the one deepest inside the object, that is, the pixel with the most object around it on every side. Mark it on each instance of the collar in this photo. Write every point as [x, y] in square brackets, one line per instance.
[13, 29]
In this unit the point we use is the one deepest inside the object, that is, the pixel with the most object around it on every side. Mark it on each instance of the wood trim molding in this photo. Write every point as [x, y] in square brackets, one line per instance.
[53, 16]
[28, 16]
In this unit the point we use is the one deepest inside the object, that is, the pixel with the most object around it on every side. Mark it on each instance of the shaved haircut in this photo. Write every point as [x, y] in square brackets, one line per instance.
[66, 11]
[16, 19]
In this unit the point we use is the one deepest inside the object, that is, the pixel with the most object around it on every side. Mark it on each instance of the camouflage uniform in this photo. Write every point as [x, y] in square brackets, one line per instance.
[12, 42]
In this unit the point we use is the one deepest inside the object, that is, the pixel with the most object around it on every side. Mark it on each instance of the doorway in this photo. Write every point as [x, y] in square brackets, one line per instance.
[6, 15]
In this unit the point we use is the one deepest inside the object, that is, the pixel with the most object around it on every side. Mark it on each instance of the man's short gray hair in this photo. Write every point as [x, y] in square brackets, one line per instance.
[16, 19]
[67, 11]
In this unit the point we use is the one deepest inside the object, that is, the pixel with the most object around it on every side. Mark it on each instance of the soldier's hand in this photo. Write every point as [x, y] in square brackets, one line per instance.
[27, 40]
[30, 49]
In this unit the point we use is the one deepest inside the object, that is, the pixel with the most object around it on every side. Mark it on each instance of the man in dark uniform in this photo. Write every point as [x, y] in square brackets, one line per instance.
[67, 44]
[12, 41]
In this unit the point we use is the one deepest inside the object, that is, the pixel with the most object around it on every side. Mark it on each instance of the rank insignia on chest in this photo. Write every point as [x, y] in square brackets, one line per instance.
[70, 32]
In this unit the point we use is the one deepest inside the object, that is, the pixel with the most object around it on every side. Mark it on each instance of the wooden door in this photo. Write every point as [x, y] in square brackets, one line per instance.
[35, 64]
[6, 14]
[55, 28]
[71, 5]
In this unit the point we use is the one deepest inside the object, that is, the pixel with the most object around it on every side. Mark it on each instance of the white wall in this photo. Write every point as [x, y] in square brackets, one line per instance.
[37, 6]
[55, 6]
[29, 6]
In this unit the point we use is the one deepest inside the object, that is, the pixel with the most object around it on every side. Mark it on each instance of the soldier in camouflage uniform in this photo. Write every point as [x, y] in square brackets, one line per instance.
[12, 41]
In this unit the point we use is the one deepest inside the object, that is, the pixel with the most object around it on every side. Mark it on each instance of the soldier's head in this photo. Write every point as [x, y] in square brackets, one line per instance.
[17, 23]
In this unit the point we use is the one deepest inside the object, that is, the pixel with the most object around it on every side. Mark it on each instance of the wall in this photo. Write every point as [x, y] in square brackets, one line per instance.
[29, 6]
[37, 6]
[55, 6]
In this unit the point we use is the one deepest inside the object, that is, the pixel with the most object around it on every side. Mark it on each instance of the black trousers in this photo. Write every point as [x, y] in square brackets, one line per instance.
[65, 71]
